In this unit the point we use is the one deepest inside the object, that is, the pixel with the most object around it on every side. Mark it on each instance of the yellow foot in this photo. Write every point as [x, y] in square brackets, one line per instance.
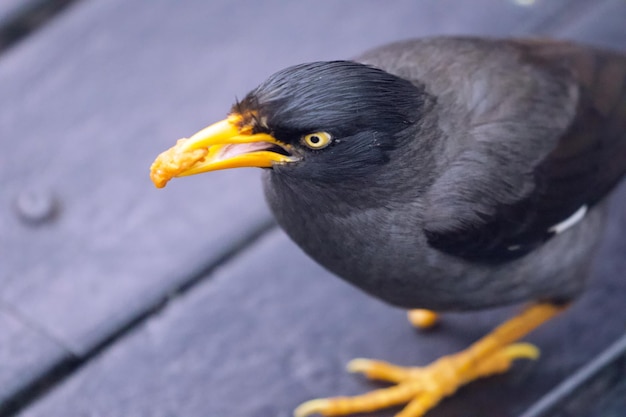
[420, 388]
[423, 319]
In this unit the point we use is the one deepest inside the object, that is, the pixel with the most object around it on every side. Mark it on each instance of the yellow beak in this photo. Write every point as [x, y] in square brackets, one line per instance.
[223, 145]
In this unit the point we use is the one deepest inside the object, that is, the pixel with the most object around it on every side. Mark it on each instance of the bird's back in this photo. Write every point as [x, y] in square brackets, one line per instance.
[559, 107]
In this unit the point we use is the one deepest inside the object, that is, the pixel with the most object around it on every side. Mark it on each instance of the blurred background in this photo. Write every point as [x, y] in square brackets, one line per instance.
[120, 299]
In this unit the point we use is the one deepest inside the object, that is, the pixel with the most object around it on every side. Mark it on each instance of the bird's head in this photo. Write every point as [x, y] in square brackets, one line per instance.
[323, 121]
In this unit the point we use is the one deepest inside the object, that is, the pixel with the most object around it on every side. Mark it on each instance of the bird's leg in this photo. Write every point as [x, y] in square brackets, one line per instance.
[423, 388]
[423, 319]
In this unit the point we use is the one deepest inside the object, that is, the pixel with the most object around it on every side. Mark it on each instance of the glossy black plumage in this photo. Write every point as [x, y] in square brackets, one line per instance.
[588, 159]
[298, 100]
[443, 192]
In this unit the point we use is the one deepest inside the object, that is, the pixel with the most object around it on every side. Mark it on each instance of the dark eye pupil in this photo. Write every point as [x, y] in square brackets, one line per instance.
[314, 139]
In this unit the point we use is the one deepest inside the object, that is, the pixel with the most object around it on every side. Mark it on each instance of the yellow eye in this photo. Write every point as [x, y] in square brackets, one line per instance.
[317, 140]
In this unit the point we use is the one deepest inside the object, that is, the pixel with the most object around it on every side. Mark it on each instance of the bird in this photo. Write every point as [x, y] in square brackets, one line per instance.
[441, 174]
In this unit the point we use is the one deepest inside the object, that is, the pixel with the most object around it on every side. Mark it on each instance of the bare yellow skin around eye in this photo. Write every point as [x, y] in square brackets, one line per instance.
[317, 140]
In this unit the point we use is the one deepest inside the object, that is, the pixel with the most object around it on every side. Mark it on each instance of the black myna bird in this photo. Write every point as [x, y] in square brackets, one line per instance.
[443, 174]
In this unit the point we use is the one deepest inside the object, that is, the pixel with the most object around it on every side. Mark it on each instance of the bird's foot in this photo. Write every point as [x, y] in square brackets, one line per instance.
[420, 388]
[423, 388]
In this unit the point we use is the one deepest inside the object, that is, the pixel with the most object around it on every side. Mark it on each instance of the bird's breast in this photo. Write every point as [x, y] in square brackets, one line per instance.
[382, 250]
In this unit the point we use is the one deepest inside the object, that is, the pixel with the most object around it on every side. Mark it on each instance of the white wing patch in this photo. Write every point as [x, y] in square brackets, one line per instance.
[570, 221]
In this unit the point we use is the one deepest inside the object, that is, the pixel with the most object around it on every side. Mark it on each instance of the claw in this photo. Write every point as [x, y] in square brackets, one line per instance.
[371, 401]
[359, 365]
[378, 370]
[312, 407]
[522, 351]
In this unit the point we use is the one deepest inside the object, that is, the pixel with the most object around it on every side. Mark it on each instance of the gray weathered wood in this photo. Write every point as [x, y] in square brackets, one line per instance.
[272, 329]
[9, 8]
[24, 354]
[87, 109]
[603, 25]
[613, 404]
[19, 18]
[93, 96]
[597, 386]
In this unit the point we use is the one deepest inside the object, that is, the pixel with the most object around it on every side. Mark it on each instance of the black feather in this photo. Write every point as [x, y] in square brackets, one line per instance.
[363, 108]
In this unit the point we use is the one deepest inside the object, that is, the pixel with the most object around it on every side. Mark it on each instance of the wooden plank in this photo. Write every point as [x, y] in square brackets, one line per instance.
[613, 404]
[18, 18]
[97, 93]
[89, 108]
[604, 25]
[8, 9]
[273, 329]
[597, 389]
[25, 353]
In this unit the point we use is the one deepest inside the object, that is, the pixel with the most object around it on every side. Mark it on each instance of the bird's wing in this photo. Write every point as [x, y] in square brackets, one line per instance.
[488, 206]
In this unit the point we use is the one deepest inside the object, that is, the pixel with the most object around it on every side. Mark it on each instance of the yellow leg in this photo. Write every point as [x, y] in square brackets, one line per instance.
[423, 319]
[423, 388]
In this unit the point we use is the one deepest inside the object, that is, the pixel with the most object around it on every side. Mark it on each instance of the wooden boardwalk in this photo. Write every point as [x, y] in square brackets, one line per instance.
[117, 299]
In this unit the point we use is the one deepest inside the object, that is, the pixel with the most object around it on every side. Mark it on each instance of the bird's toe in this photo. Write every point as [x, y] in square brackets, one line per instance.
[423, 319]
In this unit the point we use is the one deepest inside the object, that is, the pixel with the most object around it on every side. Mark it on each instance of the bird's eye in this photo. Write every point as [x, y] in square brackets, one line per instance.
[317, 140]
